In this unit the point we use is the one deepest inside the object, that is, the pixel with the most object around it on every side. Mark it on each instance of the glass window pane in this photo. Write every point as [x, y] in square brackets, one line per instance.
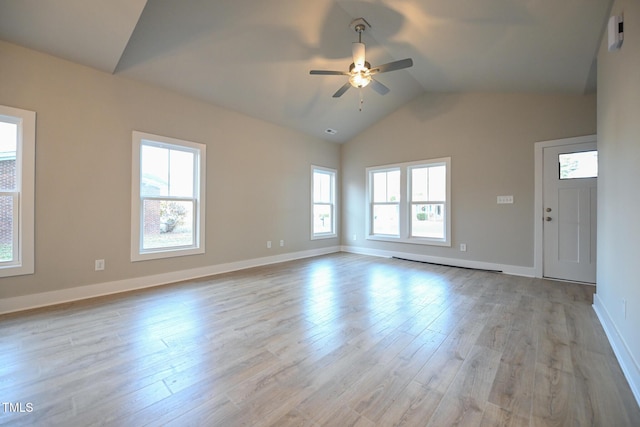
[379, 187]
[167, 224]
[6, 228]
[427, 221]
[386, 186]
[322, 221]
[385, 219]
[579, 165]
[437, 184]
[419, 184]
[154, 171]
[393, 186]
[180, 173]
[8, 150]
[321, 187]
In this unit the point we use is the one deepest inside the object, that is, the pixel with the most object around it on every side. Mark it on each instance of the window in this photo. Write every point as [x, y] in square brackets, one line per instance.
[578, 165]
[168, 207]
[428, 200]
[17, 177]
[386, 202]
[423, 216]
[323, 209]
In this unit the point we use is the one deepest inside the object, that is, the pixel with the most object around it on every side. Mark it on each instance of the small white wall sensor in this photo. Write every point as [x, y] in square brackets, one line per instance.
[616, 33]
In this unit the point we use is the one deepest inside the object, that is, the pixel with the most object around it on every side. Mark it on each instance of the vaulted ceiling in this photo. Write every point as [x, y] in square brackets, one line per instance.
[254, 56]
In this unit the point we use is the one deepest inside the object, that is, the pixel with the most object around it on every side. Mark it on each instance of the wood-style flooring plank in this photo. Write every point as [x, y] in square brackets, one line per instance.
[336, 340]
[465, 400]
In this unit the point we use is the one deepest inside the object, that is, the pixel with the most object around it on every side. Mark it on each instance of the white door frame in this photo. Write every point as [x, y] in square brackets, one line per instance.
[537, 204]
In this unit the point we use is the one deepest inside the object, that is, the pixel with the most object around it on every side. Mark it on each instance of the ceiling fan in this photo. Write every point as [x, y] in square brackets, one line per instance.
[360, 71]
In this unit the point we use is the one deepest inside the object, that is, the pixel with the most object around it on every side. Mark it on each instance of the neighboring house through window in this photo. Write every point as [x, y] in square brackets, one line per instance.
[17, 189]
[323, 203]
[168, 207]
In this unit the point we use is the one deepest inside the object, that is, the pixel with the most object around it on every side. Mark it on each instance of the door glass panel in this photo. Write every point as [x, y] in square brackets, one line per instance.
[579, 165]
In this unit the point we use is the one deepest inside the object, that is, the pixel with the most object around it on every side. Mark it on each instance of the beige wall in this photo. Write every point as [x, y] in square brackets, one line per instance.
[619, 192]
[258, 173]
[490, 139]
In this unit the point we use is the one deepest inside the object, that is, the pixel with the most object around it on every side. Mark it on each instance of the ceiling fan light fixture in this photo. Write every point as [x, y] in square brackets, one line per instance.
[360, 76]
[360, 79]
[360, 72]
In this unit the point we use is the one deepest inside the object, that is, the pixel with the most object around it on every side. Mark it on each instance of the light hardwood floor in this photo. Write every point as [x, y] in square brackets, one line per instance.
[338, 340]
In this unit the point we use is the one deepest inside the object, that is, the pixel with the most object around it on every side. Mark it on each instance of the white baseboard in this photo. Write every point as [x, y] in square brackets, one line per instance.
[504, 268]
[26, 302]
[629, 366]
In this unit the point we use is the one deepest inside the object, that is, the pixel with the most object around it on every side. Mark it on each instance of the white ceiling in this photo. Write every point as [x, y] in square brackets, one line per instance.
[254, 56]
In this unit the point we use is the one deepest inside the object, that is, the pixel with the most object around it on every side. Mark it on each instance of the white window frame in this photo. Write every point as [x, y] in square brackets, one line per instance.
[138, 253]
[406, 203]
[333, 174]
[23, 261]
[372, 204]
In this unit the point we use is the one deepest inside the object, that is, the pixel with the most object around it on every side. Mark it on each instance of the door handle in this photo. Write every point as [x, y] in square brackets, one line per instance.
[548, 218]
[548, 209]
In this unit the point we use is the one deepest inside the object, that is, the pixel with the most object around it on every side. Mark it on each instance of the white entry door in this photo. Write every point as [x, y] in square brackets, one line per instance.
[569, 217]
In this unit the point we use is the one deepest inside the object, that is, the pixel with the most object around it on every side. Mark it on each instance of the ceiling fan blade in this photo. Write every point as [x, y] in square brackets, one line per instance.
[379, 87]
[329, 73]
[357, 50]
[342, 90]
[392, 66]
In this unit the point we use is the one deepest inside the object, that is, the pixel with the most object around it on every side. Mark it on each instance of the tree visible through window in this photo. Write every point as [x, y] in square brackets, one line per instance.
[166, 190]
[428, 200]
[578, 165]
[169, 201]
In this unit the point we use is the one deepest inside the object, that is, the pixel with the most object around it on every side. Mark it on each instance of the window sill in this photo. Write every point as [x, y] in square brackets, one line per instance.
[410, 240]
[160, 254]
[324, 236]
[16, 270]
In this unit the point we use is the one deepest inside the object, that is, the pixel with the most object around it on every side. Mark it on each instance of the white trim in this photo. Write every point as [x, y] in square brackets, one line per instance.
[405, 203]
[538, 193]
[26, 302]
[629, 365]
[199, 214]
[513, 270]
[26, 155]
[333, 173]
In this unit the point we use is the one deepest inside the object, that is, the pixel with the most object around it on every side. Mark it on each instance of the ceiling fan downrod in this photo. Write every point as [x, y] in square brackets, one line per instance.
[360, 29]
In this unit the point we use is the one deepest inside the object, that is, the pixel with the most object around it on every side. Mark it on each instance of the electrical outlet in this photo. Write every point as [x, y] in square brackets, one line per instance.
[99, 264]
[281, 243]
[355, 237]
[268, 244]
[463, 247]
